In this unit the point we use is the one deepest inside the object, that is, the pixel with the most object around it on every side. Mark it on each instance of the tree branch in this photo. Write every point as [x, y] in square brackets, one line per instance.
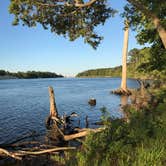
[85, 4]
[82, 133]
[156, 21]
[3, 151]
[142, 8]
[45, 151]
[76, 4]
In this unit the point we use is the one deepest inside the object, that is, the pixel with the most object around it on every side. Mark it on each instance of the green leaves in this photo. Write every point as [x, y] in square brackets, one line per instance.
[140, 15]
[63, 18]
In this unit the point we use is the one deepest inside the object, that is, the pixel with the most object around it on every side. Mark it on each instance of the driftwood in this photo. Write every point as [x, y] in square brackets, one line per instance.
[82, 133]
[18, 154]
[56, 129]
[45, 151]
[56, 121]
[10, 154]
[53, 108]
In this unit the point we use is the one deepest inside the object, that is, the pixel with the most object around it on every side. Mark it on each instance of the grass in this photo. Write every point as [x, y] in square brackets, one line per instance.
[138, 143]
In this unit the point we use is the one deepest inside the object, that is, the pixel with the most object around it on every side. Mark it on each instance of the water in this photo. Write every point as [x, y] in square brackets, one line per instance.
[24, 104]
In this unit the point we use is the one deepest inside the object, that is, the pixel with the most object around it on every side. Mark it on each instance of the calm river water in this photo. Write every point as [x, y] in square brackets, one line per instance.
[24, 103]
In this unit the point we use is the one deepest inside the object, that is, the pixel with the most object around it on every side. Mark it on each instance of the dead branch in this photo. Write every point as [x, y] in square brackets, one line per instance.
[18, 154]
[45, 151]
[10, 154]
[82, 133]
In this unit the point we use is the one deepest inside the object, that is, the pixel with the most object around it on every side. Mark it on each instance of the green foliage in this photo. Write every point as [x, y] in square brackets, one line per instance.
[148, 62]
[63, 18]
[103, 72]
[140, 142]
[3, 72]
[30, 74]
[140, 15]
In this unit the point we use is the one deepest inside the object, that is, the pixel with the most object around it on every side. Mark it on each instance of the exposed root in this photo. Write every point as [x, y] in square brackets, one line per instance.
[121, 91]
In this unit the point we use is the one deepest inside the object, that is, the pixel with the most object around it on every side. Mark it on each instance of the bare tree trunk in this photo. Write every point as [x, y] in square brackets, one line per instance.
[53, 109]
[160, 30]
[124, 58]
[124, 100]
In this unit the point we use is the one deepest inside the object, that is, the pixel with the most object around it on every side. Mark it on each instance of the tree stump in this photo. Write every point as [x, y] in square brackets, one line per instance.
[92, 102]
[53, 108]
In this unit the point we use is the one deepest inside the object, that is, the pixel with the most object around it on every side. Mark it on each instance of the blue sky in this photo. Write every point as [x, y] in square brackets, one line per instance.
[23, 48]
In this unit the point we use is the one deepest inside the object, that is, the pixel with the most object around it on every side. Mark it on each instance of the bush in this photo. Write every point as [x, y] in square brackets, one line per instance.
[138, 143]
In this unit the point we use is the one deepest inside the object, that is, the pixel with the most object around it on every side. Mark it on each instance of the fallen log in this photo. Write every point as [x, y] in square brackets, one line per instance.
[82, 133]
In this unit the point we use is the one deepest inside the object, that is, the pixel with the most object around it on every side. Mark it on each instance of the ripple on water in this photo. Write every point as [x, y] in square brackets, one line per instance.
[24, 104]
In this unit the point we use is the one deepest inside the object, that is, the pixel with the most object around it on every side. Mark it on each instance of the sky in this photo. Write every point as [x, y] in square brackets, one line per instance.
[25, 49]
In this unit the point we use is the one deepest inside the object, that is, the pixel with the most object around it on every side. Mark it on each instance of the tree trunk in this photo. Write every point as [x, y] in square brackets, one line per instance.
[53, 109]
[160, 30]
[124, 58]
[124, 100]
[155, 19]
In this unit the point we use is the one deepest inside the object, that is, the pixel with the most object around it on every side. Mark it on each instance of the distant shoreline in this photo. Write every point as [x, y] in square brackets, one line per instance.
[28, 75]
[16, 78]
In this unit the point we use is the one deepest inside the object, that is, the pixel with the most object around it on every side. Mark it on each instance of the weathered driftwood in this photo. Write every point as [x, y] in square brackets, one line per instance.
[53, 119]
[10, 154]
[56, 130]
[55, 123]
[53, 108]
[82, 133]
[45, 151]
[19, 153]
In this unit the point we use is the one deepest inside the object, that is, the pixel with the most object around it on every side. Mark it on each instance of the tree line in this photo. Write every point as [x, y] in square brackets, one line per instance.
[29, 74]
[142, 63]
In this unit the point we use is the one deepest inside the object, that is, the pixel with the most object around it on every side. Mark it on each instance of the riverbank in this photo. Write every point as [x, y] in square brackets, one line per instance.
[137, 139]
